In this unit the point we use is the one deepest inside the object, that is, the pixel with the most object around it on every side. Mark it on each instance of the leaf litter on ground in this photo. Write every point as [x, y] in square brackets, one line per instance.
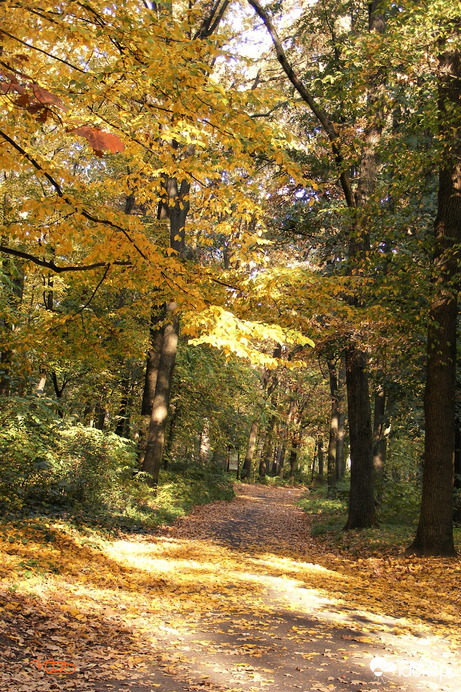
[235, 596]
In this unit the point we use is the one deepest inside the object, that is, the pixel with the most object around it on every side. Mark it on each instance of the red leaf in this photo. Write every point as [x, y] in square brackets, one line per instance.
[23, 101]
[46, 98]
[10, 86]
[99, 140]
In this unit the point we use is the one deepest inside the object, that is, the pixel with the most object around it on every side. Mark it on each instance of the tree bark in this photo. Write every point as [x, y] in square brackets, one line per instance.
[361, 498]
[122, 426]
[293, 457]
[204, 450]
[267, 450]
[320, 456]
[434, 535]
[334, 428]
[248, 461]
[13, 290]
[156, 433]
[380, 428]
[340, 457]
[156, 332]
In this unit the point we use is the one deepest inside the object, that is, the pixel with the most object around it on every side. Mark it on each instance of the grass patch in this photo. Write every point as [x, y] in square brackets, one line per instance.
[396, 529]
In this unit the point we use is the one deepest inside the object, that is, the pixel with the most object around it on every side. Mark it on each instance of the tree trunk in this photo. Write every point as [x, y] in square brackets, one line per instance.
[248, 461]
[13, 291]
[40, 389]
[266, 453]
[434, 535]
[156, 331]
[293, 457]
[320, 456]
[101, 416]
[357, 387]
[122, 418]
[457, 512]
[156, 433]
[361, 499]
[164, 341]
[334, 428]
[204, 450]
[380, 431]
[340, 455]
[171, 436]
[59, 390]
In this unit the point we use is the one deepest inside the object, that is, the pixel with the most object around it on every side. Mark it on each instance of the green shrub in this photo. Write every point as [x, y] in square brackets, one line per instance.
[400, 502]
[28, 461]
[47, 465]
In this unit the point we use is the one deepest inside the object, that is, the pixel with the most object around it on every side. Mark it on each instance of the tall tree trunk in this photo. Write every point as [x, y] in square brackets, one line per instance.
[434, 535]
[122, 418]
[293, 457]
[171, 436]
[457, 512]
[13, 290]
[248, 461]
[361, 499]
[175, 206]
[357, 387]
[267, 450]
[340, 456]
[204, 450]
[380, 432]
[320, 456]
[156, 331]
[334, 428]
[156, 433]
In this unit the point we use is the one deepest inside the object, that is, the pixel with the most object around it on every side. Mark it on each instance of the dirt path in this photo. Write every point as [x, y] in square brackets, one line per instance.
[237, 597]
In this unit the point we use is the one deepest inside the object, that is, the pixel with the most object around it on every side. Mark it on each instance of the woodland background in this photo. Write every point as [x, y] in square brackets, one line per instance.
[231, 232]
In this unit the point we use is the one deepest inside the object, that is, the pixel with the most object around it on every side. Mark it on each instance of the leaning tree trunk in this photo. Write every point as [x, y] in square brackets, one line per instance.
[434, 535]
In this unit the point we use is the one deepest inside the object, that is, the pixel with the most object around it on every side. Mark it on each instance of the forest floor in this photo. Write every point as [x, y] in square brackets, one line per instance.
[236, 596]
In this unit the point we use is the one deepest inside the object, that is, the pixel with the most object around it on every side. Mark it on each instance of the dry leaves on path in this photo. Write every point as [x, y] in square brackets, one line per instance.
[237, 596]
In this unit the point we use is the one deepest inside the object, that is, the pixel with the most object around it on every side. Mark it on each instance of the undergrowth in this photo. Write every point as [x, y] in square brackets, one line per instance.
[50, 467]
[397, 520]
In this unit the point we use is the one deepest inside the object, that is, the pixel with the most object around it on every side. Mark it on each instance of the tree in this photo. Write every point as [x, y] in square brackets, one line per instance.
[434, 535]
[361, 507]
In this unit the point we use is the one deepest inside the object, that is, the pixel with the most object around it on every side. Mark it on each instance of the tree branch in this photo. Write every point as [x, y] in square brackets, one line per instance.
[40, 50]
[60, 193]
[57, 269]
[100, 282]
[309, 99]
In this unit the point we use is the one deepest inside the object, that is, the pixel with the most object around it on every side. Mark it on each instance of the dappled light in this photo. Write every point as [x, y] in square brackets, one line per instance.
[203, 604]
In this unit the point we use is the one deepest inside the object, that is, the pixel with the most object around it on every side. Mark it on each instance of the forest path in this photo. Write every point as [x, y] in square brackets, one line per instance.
[236, 597]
